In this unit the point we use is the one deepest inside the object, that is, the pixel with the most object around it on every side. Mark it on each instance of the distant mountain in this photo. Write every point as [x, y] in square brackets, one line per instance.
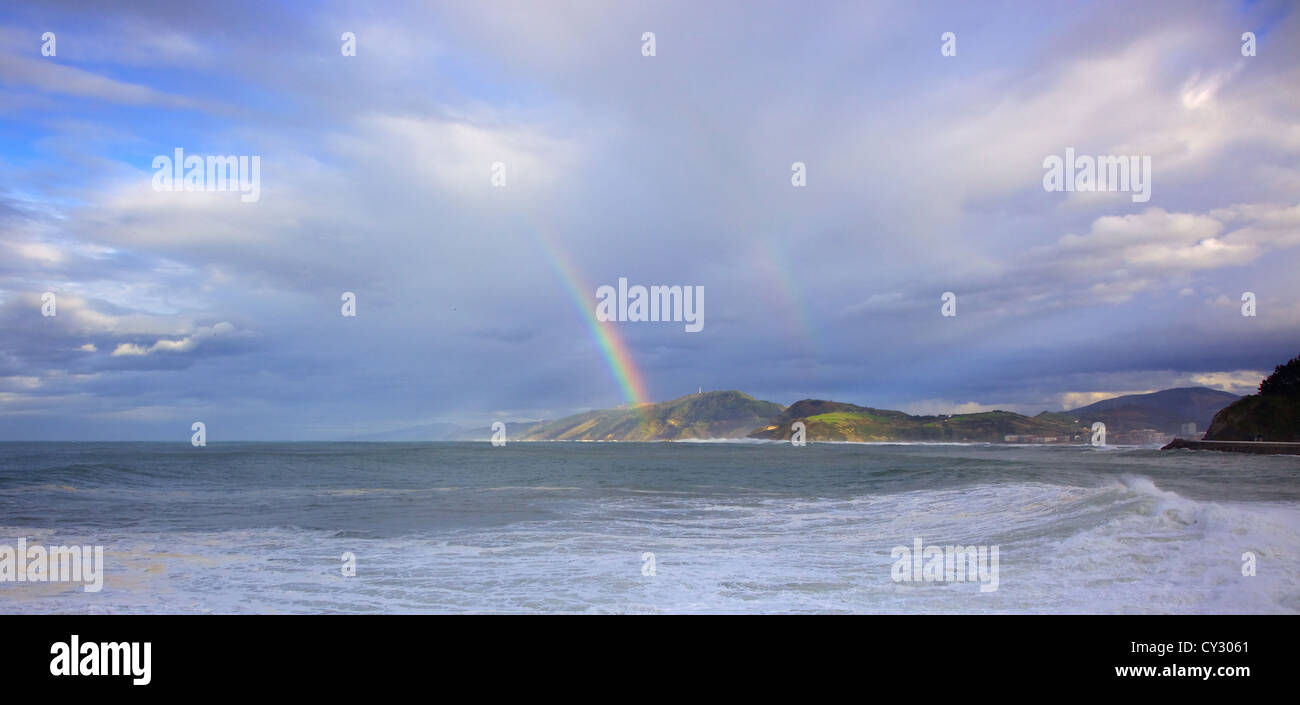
[728, 414]
[733, 414]
[1164, 411]
[838, 421]
[1271, 415]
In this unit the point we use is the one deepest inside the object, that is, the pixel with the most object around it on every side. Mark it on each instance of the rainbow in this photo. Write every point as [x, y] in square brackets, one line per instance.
[769, 258]
[612, 346]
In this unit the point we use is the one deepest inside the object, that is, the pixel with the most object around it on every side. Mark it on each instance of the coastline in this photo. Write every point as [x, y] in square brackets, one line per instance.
[1258, 447]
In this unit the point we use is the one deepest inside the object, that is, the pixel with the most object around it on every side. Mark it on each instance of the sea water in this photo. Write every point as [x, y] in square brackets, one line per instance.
[650, 527]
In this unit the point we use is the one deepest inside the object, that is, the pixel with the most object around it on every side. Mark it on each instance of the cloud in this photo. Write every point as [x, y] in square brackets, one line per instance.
[1075, 400]
[51, 77]
[924, 176]
[455, 156]
[186, 344]
[1237, 381]
[1122, 256]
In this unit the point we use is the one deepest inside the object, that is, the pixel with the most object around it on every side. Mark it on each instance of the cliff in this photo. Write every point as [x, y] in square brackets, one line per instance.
[1271, 415]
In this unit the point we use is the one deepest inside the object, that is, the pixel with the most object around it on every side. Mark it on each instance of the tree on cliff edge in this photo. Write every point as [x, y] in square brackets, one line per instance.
[1284, 382]
[1271, 415]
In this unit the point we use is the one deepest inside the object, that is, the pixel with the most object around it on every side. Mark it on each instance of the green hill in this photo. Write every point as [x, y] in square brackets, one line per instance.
[728, 414]
[733, 414]
[837, 421]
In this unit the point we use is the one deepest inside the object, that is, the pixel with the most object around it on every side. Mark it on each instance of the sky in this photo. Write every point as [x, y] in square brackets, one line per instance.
[475, 300]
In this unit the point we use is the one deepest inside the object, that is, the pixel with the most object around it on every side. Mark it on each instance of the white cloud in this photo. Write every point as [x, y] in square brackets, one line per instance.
[185, 344]
[1237, 382]
[42, 252]
[455, 156]
[1074, 400]
[1121, 256]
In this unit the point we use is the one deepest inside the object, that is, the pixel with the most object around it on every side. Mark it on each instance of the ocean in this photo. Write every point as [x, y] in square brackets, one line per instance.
[733, 527]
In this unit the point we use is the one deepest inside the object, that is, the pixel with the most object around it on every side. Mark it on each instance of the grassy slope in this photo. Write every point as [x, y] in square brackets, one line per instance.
[727, 414]
[846, 422]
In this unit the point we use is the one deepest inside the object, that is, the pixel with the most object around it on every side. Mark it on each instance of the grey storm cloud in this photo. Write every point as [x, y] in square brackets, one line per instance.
[924, 176]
